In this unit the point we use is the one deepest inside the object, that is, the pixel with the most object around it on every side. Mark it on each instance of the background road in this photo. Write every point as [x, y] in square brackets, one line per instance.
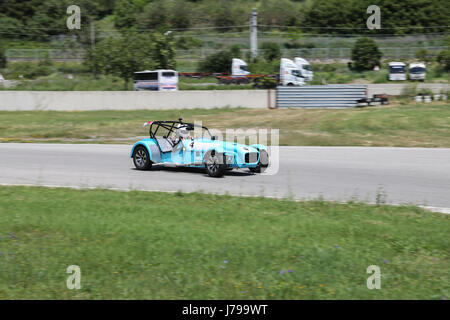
[394, 175]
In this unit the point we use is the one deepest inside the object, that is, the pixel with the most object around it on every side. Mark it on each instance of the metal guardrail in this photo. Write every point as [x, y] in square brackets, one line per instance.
[36, 54]
[325, 96]
[201, 53]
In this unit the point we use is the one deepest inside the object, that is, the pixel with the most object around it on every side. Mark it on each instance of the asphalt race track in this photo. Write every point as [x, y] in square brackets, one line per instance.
[393, 175]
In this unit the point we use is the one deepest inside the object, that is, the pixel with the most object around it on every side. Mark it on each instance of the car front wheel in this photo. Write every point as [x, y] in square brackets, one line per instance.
[141, 158]
[215, 164]
[263, 162]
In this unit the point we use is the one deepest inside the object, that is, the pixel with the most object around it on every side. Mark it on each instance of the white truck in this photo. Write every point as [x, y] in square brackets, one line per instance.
[397, 71]
[305, 68]
[239, 67]
[290, 74]
[417, 71]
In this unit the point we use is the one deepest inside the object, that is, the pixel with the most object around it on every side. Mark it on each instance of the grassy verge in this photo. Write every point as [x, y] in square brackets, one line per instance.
[140, 245]
[54, 76]
[409, 125]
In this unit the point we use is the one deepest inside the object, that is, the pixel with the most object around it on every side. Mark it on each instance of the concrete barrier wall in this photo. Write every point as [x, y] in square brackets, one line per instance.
[395, 89]
[132, 100]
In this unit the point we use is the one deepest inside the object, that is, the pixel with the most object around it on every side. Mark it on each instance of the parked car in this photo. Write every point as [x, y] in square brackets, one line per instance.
[417, 71]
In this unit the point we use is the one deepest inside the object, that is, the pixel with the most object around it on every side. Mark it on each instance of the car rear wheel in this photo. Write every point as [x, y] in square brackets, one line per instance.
[141, 158]
[215, 164]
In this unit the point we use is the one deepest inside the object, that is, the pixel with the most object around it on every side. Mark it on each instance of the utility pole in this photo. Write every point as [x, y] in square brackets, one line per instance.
[92, 34]
[254, 34]
[166, 58]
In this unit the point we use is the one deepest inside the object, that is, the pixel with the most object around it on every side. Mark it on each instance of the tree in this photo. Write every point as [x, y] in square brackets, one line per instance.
[365, 54]
[423, 55]
[124, 14]
[122, 56]
[217, 62]
[22, 10]
[443, 59]
[235, 51]
[271, 51]
[130, 53]
[10, 27]
[49, 19]
[155, 15]
[180, 17]
[2, 58]
[340, 16]
[277, 12]
[163, 52]
[223, 16]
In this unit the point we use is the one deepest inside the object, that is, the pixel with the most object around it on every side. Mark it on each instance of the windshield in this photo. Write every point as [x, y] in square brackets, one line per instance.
[306, 67]
[396, 69]
[168, 74]
[296, 73]
[417, 70]
[146, 76]
[243, 67]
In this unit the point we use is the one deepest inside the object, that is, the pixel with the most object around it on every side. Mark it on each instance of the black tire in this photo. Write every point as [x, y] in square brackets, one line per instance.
[141, 158]
[215, 164]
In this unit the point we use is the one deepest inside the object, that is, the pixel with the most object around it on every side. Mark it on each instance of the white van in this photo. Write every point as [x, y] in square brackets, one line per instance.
[290, 74]
[305, 68]
[417, 71]
[239, 67]
[156, 80]
[397, 71]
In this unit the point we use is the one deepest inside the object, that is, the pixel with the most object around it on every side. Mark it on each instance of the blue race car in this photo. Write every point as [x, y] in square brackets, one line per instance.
[172, 144]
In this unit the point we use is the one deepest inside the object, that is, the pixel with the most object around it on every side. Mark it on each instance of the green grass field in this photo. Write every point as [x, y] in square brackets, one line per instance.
[149, 245]
[399, 125]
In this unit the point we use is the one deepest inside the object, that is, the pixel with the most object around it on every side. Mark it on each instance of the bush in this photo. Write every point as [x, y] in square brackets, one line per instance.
[217, 62]
[2, 58]
[28, 70]
[10, 27]
[45, 61]
[265, 83]
[73, 68]
[443, 59]
[409, 91]
[185, 43]
[329, 67]
[365, 54]
[235, 51]
[261, 66]
[271, 51]
[298, 45]
[423, 55]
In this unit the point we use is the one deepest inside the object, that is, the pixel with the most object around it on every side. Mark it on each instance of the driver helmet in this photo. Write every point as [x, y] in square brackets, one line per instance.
[183, 132]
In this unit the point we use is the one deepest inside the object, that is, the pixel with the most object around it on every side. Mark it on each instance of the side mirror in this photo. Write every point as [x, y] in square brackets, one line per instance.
[214, 138]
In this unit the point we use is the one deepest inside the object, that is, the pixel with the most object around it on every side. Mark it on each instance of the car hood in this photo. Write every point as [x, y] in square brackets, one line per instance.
[203, 144]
